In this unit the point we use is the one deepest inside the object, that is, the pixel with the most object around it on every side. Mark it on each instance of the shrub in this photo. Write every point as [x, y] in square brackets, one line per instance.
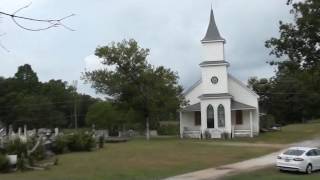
[267, 121]
[225, 135]
[4, 163]
[77, 141]
[80, 141]
[56, 161]
[60, 144]
[16, 146]
[169, 129]
[22, 162]
[101, 141]
[207, 134]
[116, 140]
[39, 153]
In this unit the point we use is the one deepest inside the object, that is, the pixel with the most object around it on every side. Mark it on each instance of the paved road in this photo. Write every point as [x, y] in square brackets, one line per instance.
[247, 165]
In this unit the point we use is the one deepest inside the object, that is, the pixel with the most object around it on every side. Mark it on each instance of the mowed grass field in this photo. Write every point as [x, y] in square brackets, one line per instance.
[273, 173]
[140, 160]
[288, 134]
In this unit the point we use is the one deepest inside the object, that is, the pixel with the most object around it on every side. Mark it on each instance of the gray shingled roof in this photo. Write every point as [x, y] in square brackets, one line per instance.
[194, 107]
[214, 63]
[212, 32]
[192, 87]
[235, 105]
[221, 95]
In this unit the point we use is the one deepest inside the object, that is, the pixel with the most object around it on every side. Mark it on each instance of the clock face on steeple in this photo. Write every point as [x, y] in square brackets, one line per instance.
[214, 80]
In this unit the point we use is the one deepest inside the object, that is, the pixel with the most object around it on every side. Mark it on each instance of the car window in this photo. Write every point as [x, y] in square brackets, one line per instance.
[311, 153]
[318, 152]
[294, 152]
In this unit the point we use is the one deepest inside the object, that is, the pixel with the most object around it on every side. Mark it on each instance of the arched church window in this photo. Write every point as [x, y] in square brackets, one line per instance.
[210, 117]
[221, 116]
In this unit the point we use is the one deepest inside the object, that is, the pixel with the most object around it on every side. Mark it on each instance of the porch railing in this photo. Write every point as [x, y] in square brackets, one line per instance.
[191, 133]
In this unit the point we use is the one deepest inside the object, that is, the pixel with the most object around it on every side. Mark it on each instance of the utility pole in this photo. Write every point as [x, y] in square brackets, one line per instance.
[75, 85]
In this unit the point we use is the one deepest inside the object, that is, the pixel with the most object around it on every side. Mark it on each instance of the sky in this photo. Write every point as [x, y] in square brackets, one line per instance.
[172, 30]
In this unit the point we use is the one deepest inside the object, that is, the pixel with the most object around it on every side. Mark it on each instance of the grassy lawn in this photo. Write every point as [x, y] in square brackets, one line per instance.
[164, 157]
[273, 173]
[289, 134]
[139, 159]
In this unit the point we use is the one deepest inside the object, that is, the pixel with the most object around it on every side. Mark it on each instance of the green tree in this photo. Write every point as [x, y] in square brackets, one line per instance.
[263, 87]
[148, 90]
[104, 116]
[26, 100]
[295, 90]
[26, 79]
[37, 112]
[84, 102]
[61, 97]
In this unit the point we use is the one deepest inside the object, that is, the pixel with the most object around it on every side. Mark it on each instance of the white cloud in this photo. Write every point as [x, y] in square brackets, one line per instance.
[171, 29]
[92, 62]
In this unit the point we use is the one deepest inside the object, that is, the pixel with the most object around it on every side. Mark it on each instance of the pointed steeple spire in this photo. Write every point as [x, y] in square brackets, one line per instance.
[212, 32]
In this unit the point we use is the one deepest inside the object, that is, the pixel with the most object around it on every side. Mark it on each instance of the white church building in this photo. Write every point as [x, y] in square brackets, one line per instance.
[220, 105]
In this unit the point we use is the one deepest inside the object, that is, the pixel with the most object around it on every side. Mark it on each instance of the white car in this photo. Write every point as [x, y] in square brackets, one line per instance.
[303, 159]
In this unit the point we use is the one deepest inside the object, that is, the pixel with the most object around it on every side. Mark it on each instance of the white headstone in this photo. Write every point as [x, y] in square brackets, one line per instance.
[25, 130]
[10, 130]
[153, 133]
[56, 131]
[12, 159]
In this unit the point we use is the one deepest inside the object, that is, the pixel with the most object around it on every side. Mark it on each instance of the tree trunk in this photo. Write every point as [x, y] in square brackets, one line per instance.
[147, 129]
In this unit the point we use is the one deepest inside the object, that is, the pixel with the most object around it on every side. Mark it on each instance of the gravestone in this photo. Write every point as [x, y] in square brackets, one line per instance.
[10, 130]
[31, 133]
[19, 131]
[25, 130]
[104, 133]
[56, 131]
[153, 133]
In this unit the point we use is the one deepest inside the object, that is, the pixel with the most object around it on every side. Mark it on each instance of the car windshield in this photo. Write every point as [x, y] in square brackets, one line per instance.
[294, 152]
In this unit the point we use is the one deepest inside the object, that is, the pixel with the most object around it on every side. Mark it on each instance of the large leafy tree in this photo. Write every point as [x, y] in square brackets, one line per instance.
[37, 111]
[26, 100]
[61, 97]
[263, 87]
[26, 79]
[295, 92]
[152, 92]
[104, 115]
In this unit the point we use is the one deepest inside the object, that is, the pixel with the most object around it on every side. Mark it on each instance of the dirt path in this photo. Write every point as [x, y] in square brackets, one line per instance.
[247, 165]
[245, 144]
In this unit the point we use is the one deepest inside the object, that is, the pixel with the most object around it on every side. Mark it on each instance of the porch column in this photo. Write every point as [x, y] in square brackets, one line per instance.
[251, 124]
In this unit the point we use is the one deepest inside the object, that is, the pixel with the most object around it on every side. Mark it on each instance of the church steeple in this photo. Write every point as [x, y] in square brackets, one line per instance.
[212, 31]
[213, 43]
[214, 68]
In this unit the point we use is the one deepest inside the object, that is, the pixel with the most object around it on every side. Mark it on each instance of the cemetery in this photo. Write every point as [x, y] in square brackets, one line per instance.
[36, 149]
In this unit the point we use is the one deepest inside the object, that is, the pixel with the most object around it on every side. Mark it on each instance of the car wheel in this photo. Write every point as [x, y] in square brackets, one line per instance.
[309, 169]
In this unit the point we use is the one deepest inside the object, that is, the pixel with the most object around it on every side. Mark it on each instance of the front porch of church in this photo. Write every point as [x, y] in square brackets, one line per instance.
[244, 122]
